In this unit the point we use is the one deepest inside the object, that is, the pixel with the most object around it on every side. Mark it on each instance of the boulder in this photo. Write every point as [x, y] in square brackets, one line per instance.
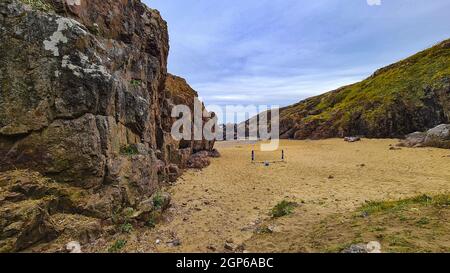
[416, 139]
[358, 248]
[214, 153]
[371, 247]
[438, 137]
[199, 160]
[352, 139]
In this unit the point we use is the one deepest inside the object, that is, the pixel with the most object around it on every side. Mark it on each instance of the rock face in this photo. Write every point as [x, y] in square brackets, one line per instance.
[31, 211]
[180, 93]
[408, 96]
[86, 101]
[79, 84]
[438, 137]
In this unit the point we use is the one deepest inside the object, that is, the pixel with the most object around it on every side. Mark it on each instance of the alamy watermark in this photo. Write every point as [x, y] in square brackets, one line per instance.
[260, 122]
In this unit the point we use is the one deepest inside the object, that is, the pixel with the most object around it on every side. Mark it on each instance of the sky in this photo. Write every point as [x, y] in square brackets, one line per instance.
[278, 52]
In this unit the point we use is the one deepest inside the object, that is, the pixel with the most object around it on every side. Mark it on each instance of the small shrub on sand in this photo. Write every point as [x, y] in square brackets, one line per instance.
[423, 221]
[151, 223]
[264, 229]
[283, 208]
[158, 200]
[117, 246]
[126, 228]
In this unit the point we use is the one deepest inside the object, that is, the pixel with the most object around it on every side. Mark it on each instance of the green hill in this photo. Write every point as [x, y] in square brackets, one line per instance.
[408, 96]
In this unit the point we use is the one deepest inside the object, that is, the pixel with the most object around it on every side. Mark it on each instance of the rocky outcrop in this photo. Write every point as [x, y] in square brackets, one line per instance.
[31, 209]
[408, 96]
[180, 93]
[79, 83]
[438, 137]
[85, 101]
[184, 152]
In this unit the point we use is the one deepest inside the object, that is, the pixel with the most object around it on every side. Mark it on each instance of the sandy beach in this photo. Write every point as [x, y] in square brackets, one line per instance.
[230, 199]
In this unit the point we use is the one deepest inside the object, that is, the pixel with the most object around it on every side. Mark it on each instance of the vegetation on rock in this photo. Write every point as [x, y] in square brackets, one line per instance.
[38, 4]
[408, 96]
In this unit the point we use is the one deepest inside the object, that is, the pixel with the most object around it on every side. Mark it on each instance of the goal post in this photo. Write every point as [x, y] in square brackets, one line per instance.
[282, 158]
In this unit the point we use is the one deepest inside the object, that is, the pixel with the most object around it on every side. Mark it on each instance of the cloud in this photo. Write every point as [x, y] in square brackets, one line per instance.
[374, 2]
[264, 52]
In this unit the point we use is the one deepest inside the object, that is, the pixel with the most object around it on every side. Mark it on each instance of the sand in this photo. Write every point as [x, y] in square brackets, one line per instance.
[227, 200]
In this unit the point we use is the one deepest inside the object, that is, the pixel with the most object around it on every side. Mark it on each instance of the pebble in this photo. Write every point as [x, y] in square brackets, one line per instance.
[229, 246]
[73, 247]
[364, 214]
[175, 242]
[211, 247]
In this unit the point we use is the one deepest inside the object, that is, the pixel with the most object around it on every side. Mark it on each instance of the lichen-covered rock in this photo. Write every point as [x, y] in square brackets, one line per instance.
[71, 97]
[83, 101]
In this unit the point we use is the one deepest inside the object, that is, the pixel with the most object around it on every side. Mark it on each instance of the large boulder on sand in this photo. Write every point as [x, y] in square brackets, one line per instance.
[416, 139]
[199, 160]
[438, 137]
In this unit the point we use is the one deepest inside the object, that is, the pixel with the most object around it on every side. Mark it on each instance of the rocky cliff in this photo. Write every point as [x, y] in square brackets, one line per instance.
[83, 103]
[408, 96]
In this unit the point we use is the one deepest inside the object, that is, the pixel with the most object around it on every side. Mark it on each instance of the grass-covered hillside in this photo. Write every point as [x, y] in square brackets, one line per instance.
[411, 95]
